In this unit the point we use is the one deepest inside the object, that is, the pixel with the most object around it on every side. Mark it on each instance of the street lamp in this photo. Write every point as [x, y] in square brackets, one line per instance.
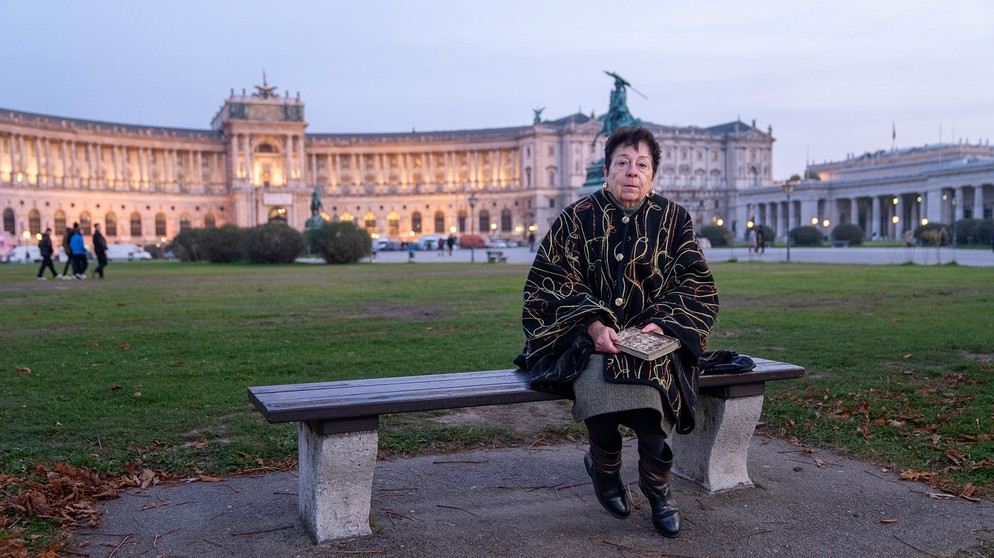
[955, 202]
[788, 188]
[472, 238]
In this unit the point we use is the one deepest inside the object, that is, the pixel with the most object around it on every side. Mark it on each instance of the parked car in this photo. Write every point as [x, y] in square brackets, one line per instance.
[126, 252]
[475, 241]
[23, 254]
[430, 241]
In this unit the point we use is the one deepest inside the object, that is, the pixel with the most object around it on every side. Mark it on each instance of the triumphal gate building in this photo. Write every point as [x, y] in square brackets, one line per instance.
[259, 163]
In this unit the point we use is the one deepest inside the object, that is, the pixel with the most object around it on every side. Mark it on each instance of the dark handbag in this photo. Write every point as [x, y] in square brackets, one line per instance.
[724, 362]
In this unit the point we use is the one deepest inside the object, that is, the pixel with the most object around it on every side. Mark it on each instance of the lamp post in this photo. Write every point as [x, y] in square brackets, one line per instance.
[472, 237]
[788, 188]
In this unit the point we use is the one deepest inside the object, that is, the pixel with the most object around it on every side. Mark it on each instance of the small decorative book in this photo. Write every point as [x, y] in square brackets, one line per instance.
[648, 346]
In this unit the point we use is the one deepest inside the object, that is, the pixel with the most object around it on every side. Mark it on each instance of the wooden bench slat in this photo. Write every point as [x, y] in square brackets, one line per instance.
[375, 396]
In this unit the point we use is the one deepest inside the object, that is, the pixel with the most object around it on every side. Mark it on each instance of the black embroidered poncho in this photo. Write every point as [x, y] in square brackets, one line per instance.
[598, 263]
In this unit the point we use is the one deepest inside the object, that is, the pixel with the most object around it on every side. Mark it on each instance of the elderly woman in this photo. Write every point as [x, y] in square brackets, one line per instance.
[622, 257]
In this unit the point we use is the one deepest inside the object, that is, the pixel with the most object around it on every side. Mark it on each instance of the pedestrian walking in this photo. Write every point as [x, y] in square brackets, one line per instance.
[66, 237]
[77, 247]
[100, 250]
[45, 247]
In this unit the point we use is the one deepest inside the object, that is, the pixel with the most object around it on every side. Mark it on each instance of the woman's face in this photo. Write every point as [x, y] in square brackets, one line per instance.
[629, 174]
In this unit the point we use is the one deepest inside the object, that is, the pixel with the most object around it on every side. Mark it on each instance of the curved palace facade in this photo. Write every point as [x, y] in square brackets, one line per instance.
[257, 163]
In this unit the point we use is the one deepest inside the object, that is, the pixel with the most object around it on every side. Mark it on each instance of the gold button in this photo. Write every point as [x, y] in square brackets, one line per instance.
[619, 301]
[625, 219]
[619, 257]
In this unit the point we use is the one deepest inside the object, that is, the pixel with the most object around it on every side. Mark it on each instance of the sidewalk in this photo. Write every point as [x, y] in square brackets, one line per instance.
[537, 502]
[869, 256]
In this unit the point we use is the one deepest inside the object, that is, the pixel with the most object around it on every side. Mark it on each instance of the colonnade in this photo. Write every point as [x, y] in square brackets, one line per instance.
[881, 215]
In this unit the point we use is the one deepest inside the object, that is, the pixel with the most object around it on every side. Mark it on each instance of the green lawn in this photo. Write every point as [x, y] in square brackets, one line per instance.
[150, 367]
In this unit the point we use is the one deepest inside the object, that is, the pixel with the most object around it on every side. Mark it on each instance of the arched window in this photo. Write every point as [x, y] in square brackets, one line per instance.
[8, 222]
[34, 222]
[160, 224]
[110, 224]
[85, 222]
[505, 220]
[347, 217]
[184, 222]
[416, 222]
[369, 222]
[60, 221]
[136, 225]
[393, 223]
[484, 222]
[209, 221]
[461, 221]
[439, 222]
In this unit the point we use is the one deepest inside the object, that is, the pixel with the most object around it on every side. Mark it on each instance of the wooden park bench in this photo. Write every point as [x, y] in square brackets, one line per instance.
[496, 256]
[338, 422]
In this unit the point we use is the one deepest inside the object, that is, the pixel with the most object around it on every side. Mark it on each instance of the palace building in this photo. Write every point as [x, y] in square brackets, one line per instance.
[258, 163]
[886, 193]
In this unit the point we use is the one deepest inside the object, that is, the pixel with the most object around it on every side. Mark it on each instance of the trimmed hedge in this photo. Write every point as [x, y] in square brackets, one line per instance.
[271, 243]
[806, 236]
[850, 232]
[340, 242]
[718, 236]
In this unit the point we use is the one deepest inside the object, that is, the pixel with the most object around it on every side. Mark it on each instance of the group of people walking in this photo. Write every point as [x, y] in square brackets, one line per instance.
[76, 253]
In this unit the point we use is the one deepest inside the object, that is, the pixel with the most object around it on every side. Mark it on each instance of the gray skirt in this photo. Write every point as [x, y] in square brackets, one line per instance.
[596, 396]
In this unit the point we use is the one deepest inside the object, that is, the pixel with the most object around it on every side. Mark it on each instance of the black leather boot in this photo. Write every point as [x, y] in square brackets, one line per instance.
[654, 480]
[604, 469]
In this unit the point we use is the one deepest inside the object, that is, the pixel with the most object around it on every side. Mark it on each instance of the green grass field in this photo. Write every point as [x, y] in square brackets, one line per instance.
[150, 367]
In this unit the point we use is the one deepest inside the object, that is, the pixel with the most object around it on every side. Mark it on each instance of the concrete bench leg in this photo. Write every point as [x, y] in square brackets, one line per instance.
[714, 455]
[336, 482]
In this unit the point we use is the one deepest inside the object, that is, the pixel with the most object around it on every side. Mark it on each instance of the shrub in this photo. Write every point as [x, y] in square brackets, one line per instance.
[933, 234]
[222, 245]
[718, 236]
[850, 232]
[977, 231]
[806, 236]
[340, 242]
[187, 246]
[271, 243]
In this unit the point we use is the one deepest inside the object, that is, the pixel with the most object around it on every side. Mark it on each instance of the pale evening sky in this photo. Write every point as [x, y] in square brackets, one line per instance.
[832, 77]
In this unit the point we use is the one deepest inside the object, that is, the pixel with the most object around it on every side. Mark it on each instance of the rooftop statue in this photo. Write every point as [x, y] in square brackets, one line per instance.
[264, 90]
[618, 114]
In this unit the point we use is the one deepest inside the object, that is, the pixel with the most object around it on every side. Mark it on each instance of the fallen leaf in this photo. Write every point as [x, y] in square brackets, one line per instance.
[887, 521]
[124, 346]
[208, 478]
[138, 394]
[907, 356]
[24, 370]
[821, 464]
[115, 388]
[941, 496]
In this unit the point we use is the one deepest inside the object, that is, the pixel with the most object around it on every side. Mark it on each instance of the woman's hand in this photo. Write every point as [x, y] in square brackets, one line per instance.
[652, 328]
[604, 337]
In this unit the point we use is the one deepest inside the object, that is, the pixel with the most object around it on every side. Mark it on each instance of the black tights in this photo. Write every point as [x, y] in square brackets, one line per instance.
[603, 430]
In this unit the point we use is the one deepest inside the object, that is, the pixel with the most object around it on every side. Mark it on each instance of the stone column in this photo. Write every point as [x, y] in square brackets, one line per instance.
[978, 203]
[874, 217]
